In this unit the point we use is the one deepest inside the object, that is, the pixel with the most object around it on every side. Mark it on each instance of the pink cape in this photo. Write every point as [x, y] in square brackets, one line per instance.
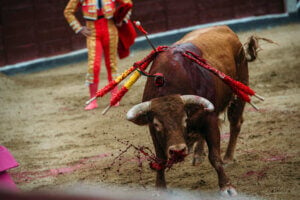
[7, 161]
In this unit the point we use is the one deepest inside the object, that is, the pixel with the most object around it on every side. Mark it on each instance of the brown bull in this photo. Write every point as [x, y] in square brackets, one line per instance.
[187, 106]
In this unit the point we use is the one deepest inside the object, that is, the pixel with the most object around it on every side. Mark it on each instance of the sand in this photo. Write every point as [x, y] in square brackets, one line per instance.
[58, 144]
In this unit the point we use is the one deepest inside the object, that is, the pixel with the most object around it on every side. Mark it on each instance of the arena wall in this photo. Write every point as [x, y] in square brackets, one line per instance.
[32, 29]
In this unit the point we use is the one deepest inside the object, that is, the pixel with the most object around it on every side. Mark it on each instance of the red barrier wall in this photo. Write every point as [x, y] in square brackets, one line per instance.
[31, 29]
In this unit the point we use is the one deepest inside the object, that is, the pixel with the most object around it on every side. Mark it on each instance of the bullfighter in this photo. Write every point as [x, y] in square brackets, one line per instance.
[102, 34]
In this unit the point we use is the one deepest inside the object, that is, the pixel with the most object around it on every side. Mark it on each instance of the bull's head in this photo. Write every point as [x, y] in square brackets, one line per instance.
[167, 117]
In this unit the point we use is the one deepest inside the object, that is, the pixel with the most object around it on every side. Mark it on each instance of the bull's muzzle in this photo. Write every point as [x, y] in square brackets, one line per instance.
[177, 152]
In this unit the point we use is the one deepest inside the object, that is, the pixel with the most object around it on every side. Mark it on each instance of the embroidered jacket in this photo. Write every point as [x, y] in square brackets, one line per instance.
[89, 10]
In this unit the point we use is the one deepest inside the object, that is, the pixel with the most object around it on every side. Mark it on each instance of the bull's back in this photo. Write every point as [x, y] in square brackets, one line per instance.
[219, 45]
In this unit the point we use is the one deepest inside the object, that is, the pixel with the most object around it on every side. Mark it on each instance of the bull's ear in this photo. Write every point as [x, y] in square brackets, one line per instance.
[140, 113]
[192, 109]
[194, 112]
[142, 119]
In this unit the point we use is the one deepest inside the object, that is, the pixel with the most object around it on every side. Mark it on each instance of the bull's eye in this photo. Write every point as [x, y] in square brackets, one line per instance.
[157, 124]
[184, 121]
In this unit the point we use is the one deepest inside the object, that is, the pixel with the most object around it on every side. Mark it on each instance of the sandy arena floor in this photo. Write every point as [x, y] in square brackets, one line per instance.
[58, 144]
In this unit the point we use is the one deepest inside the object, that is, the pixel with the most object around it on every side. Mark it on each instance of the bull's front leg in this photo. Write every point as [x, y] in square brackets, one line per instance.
[160, 174]
[212, 136]
[160, 179]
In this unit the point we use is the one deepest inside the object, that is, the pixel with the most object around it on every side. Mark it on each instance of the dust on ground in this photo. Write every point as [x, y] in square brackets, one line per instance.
[57, 143]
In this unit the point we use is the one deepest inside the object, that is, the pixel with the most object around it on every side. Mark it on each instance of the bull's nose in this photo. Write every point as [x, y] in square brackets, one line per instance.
[177, 149]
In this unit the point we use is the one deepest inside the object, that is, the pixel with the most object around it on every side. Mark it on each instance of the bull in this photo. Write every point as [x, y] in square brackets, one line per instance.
[187, 107]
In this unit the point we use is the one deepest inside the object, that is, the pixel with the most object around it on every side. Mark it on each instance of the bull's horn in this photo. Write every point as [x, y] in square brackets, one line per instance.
[193, 99]
[137, 110]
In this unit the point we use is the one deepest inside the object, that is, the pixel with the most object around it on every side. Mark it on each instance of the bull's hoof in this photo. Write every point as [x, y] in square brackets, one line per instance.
[228, 191]
[228, 161]
[198, 159]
